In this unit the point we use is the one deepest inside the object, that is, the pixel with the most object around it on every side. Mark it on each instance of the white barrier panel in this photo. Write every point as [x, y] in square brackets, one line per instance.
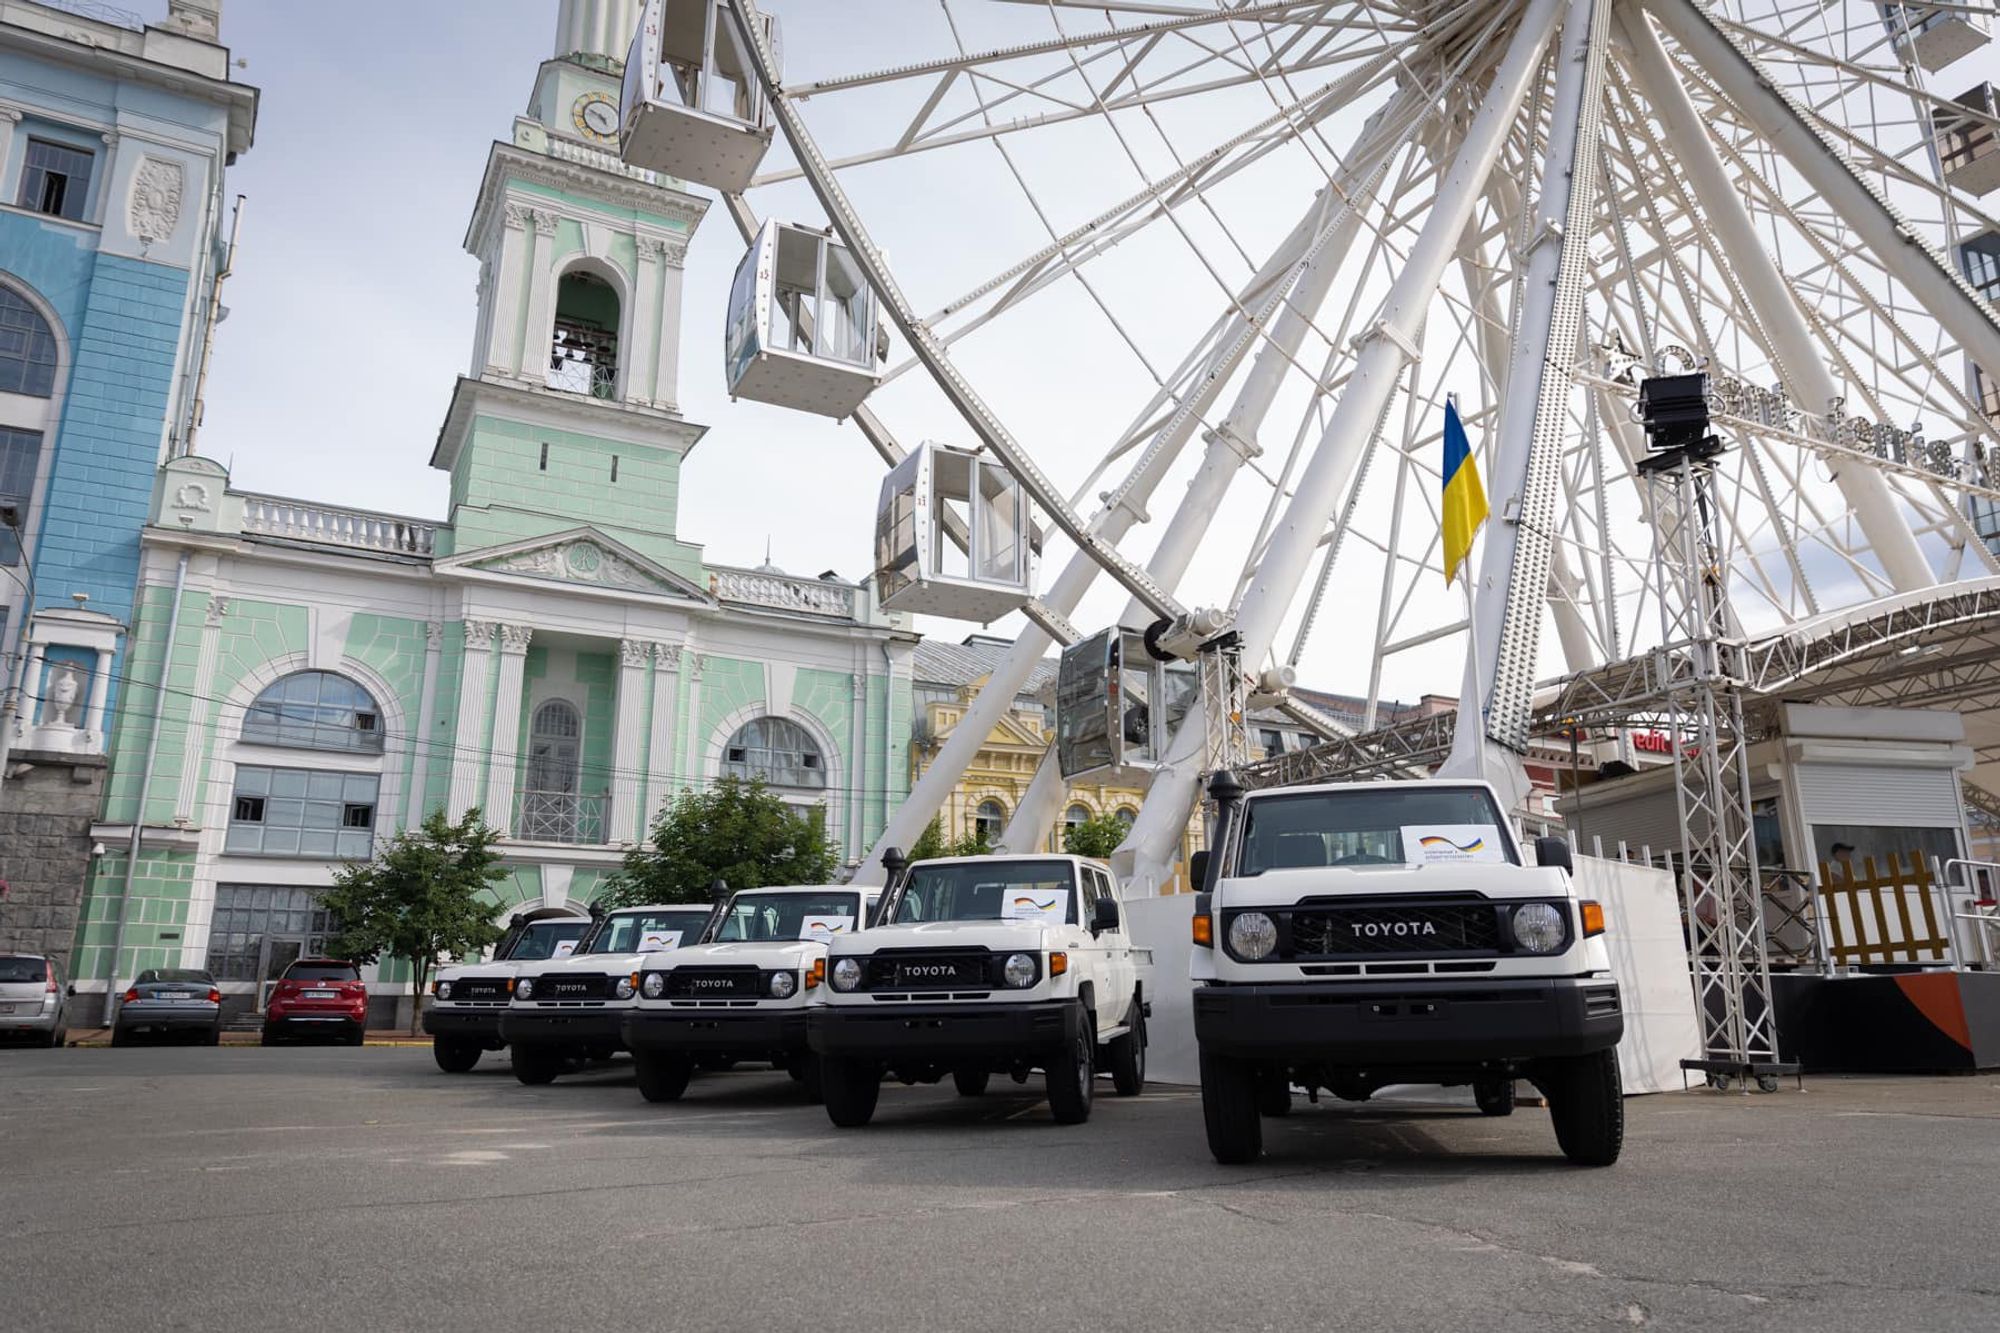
[1647, 956]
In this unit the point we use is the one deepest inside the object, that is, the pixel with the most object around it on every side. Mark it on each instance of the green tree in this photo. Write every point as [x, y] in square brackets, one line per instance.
[735, 832]
[1097, 836]
[933, 843]
[422, 897]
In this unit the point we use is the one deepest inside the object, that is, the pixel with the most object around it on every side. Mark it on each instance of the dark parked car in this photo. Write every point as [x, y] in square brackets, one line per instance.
[170, 1002]
[34, 1003]
[318, 997]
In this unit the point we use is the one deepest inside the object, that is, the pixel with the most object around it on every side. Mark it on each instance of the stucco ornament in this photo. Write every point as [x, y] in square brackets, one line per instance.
[581, 561]
[156, 198]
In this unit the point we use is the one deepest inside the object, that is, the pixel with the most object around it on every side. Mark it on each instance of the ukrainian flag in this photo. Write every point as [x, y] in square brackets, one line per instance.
[1464, 497]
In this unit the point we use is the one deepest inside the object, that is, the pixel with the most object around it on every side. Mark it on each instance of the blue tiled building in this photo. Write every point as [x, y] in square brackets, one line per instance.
[114, 136]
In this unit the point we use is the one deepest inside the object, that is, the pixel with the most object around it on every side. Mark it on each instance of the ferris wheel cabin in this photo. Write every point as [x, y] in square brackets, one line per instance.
[691, 105]
[1117, 707]
[803, 326]
[953, 536]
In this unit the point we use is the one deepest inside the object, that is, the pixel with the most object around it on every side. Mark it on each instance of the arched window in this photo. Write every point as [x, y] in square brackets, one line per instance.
[1075, 815]
[27, 348]
[583, 354]
[315, 710]
[555, 749]
[1125, 814]
[27, 376]
[988, 821]
[779, 752]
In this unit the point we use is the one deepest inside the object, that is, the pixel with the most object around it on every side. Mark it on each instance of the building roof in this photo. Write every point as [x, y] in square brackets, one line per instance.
[971, 661]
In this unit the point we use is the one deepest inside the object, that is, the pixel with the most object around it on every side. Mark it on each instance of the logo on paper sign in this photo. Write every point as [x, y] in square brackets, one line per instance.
[655, 940]
[1435, 843]
[824, 928]
[1035, 904]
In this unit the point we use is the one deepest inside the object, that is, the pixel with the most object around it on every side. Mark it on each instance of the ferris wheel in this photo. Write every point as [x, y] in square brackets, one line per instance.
[1181, 288]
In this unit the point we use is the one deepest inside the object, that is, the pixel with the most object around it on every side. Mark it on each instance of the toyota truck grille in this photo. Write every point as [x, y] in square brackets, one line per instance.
[929, 970]
[568, 988]
[715, 983]
[1372, 929]
[479, 990]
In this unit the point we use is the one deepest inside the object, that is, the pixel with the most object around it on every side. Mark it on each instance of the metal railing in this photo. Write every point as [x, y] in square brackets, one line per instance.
[326, 525]
[559, 816]
[91, 9]
[783, 592]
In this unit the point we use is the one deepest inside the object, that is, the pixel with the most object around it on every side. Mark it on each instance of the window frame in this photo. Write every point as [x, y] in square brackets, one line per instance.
[33, 136]
[736, 759]
[371, 738]
[332, 838]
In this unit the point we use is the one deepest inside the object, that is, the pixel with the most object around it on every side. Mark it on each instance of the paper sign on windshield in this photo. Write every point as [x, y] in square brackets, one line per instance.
[1033, 904]
[655, 940]
[564, 948]
[1448, 844]
[824, 928]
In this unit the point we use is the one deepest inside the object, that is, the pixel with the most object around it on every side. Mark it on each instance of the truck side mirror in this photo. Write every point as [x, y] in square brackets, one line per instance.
[1554, 852]
[1104, 916]
[1198, 870]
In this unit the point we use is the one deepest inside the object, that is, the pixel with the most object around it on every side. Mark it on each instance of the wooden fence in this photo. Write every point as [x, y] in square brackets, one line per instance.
[1888, 915]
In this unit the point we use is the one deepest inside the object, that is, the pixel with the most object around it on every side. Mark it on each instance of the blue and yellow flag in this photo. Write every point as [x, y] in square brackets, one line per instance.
[1464, 497]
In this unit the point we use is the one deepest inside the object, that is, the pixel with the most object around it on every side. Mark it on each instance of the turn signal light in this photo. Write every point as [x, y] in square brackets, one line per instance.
[1204, 930]
[1058, 964]
[816, 973]
[510, 985]
[131, 994]
[1593, 918]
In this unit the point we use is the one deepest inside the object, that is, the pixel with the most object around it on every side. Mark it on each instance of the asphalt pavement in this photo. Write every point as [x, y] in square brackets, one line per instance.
[361, 1189]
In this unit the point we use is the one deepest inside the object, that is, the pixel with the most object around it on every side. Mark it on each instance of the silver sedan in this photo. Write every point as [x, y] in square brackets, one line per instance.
[170, 1001]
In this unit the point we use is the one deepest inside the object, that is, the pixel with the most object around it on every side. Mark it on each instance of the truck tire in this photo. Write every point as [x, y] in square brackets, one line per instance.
[1274, 1093]
[970, 1082]
[1229, 1110]
[1494, 1096]
[536, 1065]
[851, 1088]
[454, 1055]
[1127, 1056]
[1588, 1107]
[662, 1078]
[1071, 1075]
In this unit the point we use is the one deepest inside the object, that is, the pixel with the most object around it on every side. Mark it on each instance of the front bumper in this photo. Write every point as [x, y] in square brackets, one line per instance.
[1418, 1022]
[563, 1027]
[167, 1017]
[943, 1032]
[471, 1024]
[743, 1033]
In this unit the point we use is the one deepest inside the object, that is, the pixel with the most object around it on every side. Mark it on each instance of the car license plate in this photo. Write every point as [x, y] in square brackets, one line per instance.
[183, 995]
[316, 995]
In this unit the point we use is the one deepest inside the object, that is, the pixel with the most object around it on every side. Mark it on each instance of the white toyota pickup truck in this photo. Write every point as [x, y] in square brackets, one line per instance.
[463, 1016]
[1354, 935]
[743, 996]
[985, 965]
[571, 1010]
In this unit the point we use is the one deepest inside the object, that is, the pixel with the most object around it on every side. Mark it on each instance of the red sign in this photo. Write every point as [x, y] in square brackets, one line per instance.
[1652, 742]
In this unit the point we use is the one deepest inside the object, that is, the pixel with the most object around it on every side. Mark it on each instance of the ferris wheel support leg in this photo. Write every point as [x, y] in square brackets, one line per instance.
[1804, 369]
[1511, 587]
[1145, 860]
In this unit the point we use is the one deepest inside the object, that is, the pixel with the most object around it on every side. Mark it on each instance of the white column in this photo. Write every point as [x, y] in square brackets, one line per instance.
[660, 766]
[625, 739]
[30, 714]
[201, 712]
[667, 320]
[503, 338]
[505, 749]
[857, 766]
[691, 761]
[467, 755]
[640, 356]
[100, 692]
[420, 770]
[536, 332]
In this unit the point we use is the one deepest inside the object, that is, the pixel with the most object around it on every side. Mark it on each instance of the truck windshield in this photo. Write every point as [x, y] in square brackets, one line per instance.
[991, 891]
[1386, 826]
[791, 916]
[649, 932]
[548, 939]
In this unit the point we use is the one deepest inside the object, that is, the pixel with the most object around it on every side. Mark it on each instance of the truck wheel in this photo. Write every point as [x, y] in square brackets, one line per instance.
[850, 1088]
[1274, 1094]
[1128, 1057]
[1586, 1104]
[454, 1055]
[1229, 1109]
[1495, 1096]
[536, 1065]
[1072, 1075]
[970, 1082]
[662, 1078]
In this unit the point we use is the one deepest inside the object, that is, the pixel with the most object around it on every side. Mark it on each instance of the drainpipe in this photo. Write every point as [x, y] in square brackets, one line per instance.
[888, 733]
[145, 790]
[200, 407]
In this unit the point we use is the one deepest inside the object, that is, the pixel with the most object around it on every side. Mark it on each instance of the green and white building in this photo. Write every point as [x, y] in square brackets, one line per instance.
[308, 679]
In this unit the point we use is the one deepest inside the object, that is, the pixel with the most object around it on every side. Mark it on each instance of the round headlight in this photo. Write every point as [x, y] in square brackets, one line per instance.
[623, 990]
[653, 985]
[1020, 970]
[846, 974]
[1252, 935]
[444, 990]
[1538, 928]
[524, 989]
[783, 984]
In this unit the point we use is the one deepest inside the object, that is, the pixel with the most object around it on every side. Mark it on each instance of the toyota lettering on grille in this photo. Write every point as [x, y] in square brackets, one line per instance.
[1384, 930]
[713, 983]
[569, 987]
[929, 971]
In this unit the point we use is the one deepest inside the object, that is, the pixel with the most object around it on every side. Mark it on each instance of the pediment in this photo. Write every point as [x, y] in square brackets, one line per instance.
[581, 557]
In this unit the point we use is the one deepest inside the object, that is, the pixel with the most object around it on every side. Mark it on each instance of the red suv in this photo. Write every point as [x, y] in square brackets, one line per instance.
[318, 996]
